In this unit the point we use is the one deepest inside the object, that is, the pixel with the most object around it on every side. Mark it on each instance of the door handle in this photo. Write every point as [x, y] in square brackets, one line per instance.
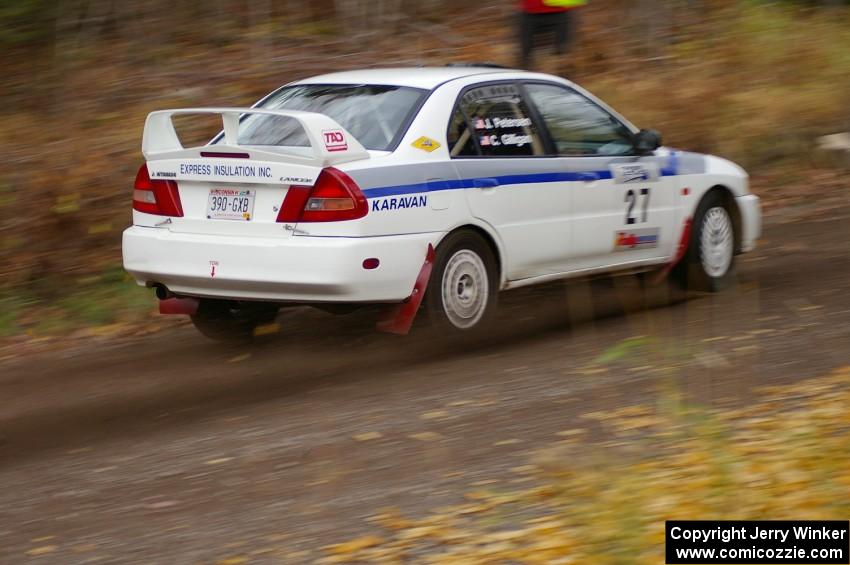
[588, 176]
[485, 183]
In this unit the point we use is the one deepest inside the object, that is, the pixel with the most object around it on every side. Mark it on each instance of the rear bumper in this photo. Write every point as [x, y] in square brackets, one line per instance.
[293, 269]
[750, 209]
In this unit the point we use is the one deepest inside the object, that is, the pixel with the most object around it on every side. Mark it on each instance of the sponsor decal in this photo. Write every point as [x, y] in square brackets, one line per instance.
[503, 92]
[426, 144]
[207, 170]
[636, 239]
[628, 173]
[297, 180]
[399, 203]
[335, 140]
[195, 169]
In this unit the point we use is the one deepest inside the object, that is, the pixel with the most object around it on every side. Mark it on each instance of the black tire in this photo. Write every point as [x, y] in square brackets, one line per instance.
[232, 322]
[466, 257]
[709, 266]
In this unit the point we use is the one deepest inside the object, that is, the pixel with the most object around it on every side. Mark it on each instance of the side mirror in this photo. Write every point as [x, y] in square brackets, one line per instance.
[647, 141]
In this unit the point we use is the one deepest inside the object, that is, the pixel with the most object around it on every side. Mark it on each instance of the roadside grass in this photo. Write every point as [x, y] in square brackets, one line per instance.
[100, 303]
[782, 457]
[757, 84]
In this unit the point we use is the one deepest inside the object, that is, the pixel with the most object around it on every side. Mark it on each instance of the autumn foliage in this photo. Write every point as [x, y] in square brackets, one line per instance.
[606, 500]
[754, 82]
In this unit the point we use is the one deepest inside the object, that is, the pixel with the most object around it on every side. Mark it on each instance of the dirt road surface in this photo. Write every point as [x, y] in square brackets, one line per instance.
[171, 449]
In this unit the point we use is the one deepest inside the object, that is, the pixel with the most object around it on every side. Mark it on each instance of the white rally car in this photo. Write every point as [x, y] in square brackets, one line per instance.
[393, 185]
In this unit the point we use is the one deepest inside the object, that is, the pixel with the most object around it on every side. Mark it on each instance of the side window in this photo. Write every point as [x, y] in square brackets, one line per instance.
[577, 125]
[459, 136]
[493, 121]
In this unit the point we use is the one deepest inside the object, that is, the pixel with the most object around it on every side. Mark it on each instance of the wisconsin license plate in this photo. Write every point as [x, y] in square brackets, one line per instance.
[230, 204]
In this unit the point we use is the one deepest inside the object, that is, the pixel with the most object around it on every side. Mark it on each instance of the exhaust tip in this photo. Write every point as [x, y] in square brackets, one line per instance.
[162, 291]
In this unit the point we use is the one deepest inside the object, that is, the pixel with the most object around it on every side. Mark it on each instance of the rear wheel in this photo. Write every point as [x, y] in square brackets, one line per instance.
[463, 288]
[229, 321]
[708, 264]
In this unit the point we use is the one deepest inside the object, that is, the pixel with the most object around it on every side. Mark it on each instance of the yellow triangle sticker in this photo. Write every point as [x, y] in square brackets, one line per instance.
[426, 144]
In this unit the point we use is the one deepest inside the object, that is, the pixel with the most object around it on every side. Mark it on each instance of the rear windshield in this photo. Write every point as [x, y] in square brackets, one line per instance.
[374, 115]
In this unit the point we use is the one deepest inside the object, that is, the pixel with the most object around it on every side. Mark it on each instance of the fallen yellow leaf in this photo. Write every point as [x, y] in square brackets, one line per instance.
[572, 432]
[507, 442]
[355, 545]
[267, 329]
[233, 561]
[458, 403]
[426, 436]
[524, 469]
[42, 550]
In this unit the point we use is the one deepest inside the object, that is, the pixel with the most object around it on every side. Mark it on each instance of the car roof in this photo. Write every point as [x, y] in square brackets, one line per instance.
[416, 77]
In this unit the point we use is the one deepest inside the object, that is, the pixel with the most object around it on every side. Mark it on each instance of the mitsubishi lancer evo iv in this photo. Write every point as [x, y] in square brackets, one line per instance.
[396, 186]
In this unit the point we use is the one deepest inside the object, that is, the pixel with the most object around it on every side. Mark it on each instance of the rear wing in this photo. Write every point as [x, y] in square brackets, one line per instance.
[330, 144]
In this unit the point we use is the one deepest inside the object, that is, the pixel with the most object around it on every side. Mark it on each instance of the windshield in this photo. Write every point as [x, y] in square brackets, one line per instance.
[374, 115]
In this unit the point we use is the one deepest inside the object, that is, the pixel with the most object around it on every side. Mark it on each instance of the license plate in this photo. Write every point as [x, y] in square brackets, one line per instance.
[230, 204]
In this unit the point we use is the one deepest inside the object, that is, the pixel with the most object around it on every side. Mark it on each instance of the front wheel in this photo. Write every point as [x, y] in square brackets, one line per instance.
[708, 264]
[233, 322]
[462, 291]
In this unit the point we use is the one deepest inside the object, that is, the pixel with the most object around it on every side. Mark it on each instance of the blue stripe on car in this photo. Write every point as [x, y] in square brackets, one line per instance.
[533, 178]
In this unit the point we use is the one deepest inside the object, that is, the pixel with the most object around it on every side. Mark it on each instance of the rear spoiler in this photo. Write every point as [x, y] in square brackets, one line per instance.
[330, 143]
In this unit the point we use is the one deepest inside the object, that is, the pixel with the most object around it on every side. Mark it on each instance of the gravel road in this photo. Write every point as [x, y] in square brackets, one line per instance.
[171, 449]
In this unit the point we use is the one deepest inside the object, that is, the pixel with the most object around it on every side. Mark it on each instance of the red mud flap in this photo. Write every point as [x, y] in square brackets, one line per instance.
[185, 306]
[399, 319]
[680, 253]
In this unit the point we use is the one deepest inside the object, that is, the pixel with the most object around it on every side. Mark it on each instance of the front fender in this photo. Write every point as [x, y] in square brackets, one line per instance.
[720, 171]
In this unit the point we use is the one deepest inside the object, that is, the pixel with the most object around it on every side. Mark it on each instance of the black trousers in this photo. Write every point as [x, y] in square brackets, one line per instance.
[558, 24]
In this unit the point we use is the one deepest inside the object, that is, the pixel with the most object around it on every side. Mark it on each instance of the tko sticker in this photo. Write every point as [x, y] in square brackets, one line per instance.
[335, 140]
[426, 144]
[399, 203]
[629, 173]
[636, 239]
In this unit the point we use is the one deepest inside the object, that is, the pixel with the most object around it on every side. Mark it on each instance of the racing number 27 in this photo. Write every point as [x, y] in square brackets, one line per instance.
[631, 200]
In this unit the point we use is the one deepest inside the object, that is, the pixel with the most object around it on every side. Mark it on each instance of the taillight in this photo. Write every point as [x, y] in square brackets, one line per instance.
[157, 196]
[334, 197]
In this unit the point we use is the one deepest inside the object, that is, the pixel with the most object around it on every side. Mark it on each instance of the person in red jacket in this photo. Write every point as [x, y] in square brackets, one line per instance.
[553, 16]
